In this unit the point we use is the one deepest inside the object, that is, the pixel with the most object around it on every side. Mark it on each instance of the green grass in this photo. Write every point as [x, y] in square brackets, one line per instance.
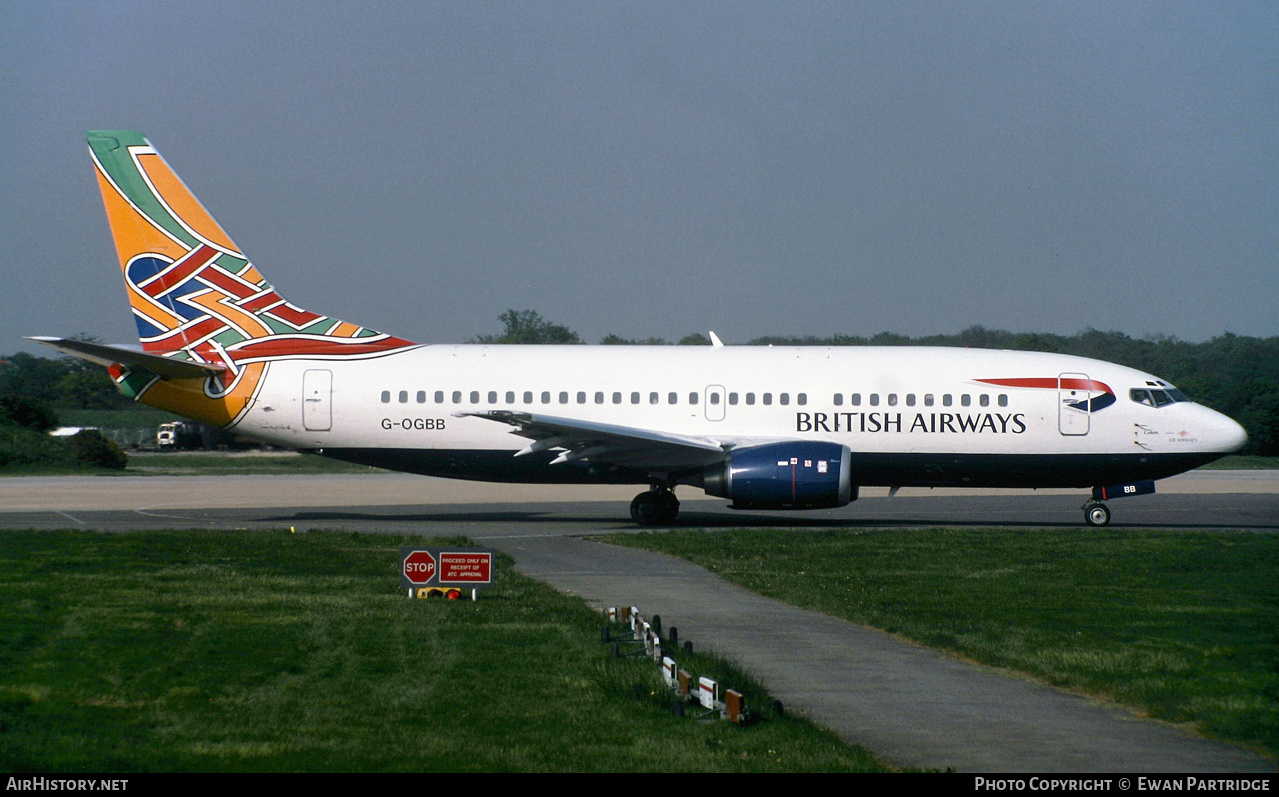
[222, 463]
[272, 651]
[1243, 462]
[26, 451]
[1182, 626]
[42, 455]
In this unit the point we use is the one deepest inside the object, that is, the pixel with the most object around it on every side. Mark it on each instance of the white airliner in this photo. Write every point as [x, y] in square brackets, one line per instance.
[766, 427]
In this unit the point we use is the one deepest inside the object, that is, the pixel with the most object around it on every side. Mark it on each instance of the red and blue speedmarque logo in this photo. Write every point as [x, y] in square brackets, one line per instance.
[1096, 395]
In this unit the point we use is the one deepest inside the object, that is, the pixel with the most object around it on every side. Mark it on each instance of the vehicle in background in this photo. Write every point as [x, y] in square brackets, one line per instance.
[179, 436]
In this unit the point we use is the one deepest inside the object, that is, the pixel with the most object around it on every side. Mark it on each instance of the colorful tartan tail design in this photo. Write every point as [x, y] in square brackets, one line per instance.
[194, 294]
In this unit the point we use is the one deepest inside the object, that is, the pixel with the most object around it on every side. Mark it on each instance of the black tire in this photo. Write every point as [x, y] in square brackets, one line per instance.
[669, 506]
[1097, 514]
[646, 509]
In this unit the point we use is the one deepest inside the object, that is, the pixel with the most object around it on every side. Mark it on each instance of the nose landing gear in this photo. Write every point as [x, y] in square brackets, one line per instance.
[1096, 513]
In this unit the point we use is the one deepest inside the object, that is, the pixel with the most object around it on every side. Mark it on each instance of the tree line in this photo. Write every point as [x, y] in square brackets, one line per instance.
[1234, 374]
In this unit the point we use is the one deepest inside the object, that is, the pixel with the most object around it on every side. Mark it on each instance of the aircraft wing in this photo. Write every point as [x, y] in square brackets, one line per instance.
[103, 354]
[604, 443]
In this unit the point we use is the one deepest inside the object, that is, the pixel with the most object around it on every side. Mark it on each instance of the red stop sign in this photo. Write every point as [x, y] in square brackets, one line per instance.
[419, 566]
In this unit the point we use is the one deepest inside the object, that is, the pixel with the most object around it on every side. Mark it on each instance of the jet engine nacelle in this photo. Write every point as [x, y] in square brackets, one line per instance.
[796, 475]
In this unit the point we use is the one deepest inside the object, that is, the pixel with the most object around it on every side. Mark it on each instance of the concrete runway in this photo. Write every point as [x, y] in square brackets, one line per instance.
[910, 705]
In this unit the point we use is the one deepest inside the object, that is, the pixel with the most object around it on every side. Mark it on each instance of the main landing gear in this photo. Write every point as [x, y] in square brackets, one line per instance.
[655, 507]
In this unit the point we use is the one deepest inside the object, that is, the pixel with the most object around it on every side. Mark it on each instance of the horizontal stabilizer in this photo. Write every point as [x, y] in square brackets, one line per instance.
[103, 354]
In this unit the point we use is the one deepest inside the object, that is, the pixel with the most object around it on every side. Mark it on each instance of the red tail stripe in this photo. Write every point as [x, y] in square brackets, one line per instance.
[281, 346]
[179, 271]
[184, 336]
[265, 300]
[228, 283]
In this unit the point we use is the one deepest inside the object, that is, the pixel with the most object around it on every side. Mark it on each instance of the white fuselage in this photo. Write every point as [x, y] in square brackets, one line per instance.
[909, 415]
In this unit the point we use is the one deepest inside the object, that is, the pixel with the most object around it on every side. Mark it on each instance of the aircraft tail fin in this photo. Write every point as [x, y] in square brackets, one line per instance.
[193, 292]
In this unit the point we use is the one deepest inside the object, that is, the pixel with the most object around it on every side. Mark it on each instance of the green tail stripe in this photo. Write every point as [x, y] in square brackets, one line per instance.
[110, 147]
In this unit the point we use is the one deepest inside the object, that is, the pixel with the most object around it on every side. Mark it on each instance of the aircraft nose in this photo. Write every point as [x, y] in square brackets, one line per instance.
[1227, 435]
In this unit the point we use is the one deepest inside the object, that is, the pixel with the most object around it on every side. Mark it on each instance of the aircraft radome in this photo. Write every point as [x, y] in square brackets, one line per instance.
[766, 427]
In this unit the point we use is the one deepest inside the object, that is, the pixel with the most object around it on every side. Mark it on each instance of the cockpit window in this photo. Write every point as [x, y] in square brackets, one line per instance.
[1153, 397]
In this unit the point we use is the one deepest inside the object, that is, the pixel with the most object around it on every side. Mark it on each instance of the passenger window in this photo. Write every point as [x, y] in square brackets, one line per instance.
[892, 399]
[838, 399]
[692, 398]
[768, 398]
[946, 400]
[1003, 399]
[475, 397]
[784, 399]
[617, 398]
[546, 397]
[802, 399]
[928, 399]
[714, 398]
[857, 399]
[874, 399]
[421, 397]
[966, 400]
[672, 398]
[510, 397]
[652, 398]
[581, 397]
[563, 396]
[635, 397]
[750, 399]
[732, 399]
[457, 397]
[910, 399]
[984, 400]
[492, 397]
[386, 397]
[439, 397]
[404, 397]
[528, 397]
[599, 397]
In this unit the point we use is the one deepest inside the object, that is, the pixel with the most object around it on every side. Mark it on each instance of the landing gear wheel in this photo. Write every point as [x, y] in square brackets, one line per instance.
[644, 509]
[654, 507]
[669, 504]
[1096, 513]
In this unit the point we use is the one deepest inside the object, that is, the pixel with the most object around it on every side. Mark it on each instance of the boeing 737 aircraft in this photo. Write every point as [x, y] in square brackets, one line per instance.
[765, 427]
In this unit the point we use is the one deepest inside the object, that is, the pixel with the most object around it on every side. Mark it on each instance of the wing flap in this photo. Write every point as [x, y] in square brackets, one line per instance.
[602, 443]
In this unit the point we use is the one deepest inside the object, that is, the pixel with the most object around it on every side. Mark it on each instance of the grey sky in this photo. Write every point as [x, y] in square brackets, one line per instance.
[656, 169]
